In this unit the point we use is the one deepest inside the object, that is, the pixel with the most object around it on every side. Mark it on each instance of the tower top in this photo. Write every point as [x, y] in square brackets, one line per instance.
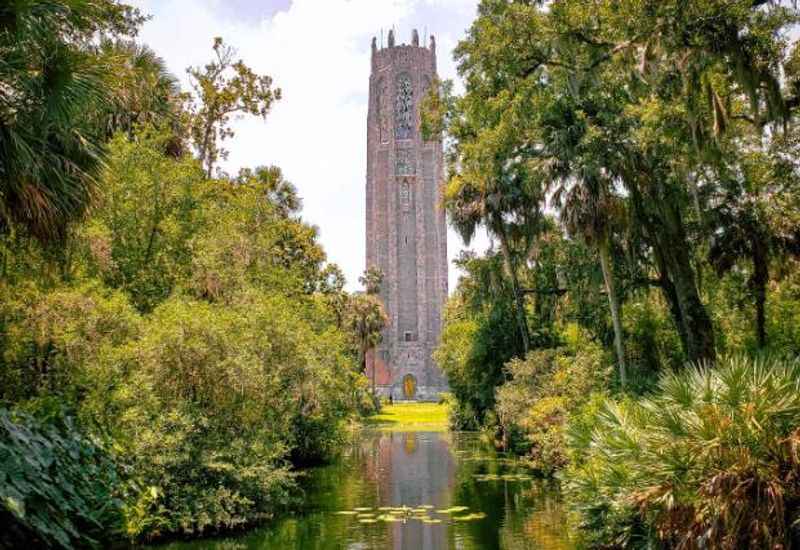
[414, 42]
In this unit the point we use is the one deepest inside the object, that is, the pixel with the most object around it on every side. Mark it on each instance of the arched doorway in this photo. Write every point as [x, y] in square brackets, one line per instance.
[409, 386]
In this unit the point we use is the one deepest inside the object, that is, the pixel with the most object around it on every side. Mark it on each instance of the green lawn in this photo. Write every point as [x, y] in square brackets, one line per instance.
[430, 417]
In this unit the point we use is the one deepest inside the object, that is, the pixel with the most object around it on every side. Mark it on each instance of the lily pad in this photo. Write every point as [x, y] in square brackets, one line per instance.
[470, 517]
[452, 510]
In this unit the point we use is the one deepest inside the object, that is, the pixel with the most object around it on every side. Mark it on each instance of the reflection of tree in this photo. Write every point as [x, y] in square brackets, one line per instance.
[486, 497]
[519, 515]
[392, 468]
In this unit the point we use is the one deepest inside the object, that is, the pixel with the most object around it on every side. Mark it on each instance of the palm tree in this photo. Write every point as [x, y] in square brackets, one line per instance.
[365, 321]
[743, 233]
[588, 209]
[49, 151]
[280, 192]
[582, 189]
[143, 90]
[504, 207]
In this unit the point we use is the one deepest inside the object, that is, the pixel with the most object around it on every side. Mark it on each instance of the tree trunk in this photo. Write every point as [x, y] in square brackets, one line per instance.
[674, 250]
[659, 212]
[363, 363]
[614, 305]
[205, 146]
[522, 322]
[671, 297]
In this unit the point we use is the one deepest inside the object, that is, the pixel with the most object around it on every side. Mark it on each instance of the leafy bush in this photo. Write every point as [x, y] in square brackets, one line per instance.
[57, 487]
[651, 342]
[544, 391]
[709, 461]
[783, 314]
[188, 324]
[221, 398]
[472, 351]
[54, 341]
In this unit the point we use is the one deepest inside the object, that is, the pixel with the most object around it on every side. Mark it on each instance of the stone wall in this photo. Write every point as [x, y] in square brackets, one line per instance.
[406, 229]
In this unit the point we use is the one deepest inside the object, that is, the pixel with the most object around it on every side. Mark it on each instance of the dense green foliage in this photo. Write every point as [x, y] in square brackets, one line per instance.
[193, 325]
[174, 343]
[546, 391]
[479, 336]
[711, 456]
[198, 349]
[57, 486]
[52, 85]
[635, 165]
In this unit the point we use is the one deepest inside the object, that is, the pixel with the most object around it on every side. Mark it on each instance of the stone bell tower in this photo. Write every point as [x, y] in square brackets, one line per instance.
[406, 229]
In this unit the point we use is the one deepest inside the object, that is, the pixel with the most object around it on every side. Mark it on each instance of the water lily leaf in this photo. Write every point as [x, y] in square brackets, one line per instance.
[452, 510]
[470, 517]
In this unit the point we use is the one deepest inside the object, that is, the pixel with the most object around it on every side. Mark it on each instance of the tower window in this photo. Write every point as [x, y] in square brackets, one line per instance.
[403, 107]
[408, 336]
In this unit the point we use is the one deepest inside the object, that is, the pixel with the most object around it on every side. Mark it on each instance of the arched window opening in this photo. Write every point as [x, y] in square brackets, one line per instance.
[404, 108]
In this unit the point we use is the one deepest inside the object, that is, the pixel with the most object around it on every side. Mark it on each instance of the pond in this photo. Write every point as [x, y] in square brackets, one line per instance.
[414, 490]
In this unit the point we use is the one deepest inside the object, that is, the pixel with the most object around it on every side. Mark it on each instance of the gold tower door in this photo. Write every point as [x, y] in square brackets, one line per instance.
[409, 386]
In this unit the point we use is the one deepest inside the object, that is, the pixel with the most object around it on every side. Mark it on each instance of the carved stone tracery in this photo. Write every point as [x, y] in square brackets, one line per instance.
[404, 107]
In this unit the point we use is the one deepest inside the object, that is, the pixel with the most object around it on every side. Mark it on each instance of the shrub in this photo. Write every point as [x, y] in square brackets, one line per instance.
[545, 389]
[709, 461]
[57, 487]
[222, 397]
[54, 342]
[472, 351]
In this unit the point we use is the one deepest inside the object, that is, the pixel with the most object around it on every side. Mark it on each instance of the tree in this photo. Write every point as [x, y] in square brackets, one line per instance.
[150, 207]
[490, 184]
[588, 210]
[372, 279]
[365, 322]
[480, 335]
[50, 153]
[277, 190]
[143, 91]
[646, 90]
[225, 88]
[750, 219]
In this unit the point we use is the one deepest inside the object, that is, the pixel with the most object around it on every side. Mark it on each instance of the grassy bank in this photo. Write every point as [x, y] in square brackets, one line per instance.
[431, 417]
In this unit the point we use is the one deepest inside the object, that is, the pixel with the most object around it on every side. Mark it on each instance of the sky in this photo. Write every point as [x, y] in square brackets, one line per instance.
[318, 53]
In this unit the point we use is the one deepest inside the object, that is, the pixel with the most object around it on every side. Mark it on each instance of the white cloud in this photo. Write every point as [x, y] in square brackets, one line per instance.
[317, 52]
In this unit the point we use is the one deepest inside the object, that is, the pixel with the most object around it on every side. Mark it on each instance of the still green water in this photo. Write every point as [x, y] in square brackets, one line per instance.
[438, 490]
